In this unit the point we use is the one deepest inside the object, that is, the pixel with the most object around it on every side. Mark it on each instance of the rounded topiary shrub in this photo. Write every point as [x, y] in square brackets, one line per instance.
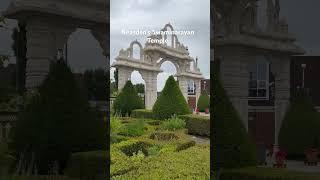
[171, 101]
[231, 144]
[127, 100]
[203, 102]
[300, 127]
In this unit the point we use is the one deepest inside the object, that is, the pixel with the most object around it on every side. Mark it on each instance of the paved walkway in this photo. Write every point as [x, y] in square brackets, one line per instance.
[199, 140]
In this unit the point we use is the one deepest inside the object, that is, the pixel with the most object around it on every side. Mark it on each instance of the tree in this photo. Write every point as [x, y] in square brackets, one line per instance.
[300, 127]
[57, 121]
[127, 100]
[19, 47]
[171, 101]
[203, 102]
[96, 84]
[139, 88]
[231, 144]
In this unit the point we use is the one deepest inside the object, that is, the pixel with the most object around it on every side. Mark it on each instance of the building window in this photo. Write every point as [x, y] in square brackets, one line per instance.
[191, 88]
[259, 80]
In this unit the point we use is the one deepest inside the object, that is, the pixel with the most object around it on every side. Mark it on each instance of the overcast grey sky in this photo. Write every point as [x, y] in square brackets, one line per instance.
[153, 15]
[85, 53]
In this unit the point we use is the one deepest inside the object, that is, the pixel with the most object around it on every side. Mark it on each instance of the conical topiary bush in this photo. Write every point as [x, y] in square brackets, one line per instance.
[300, 127]
[231, 145]
[56, 122]
[170, 102]
[127, 100]
[203, 102]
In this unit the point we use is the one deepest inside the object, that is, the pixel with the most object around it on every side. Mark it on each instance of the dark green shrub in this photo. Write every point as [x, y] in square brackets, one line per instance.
[203, 102]
[87, 165]
[185, 145]
[6, 160]
[57, 121]
[231, 142]
[170, 102]
[132, 146]
[142, 113]
[197, 125]
[127, 101]
[300, 127]
[163, 136]
[173, 123]
[134, 129]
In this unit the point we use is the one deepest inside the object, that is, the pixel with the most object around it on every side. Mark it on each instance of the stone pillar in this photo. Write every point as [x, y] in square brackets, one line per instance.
[124, 75]
[183, 84]
[101, 34]
[198, 90]
[151, 88]
[235, 78]
[281, 70]
[43, 42]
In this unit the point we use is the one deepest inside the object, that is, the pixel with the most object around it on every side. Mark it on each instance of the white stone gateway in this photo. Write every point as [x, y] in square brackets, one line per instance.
[149, 63]
[49, 23]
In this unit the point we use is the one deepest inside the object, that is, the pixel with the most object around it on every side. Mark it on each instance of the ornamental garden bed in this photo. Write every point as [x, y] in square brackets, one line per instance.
[152, 151]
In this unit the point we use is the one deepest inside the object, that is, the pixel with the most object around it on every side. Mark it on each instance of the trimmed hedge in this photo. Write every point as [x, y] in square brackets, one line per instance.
[87, 165]
[127, 101]
[171, 101]
[163, 136]
[197, 125]
[133, 146]
[266, 174]
[185, 145]
[142, 113]
[193, 163]
[203, 102]
[300, 128]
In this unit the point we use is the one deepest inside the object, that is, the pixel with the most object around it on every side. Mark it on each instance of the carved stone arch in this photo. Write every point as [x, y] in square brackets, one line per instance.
[176, 65]
[172, 36]
[136, 42]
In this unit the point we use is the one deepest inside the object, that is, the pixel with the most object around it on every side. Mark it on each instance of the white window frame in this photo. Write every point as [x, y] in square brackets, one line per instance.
[191, 88]
[261, 61]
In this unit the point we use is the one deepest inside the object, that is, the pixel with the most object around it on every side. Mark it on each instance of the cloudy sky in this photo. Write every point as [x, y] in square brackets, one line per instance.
[153, 15]
[85, 52]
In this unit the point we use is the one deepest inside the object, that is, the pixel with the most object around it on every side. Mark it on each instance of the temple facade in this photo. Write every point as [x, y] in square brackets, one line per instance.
[254, 48]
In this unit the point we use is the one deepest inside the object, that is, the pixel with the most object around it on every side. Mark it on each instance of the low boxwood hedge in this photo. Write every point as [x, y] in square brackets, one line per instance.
[193, 163]
[133, 146]
[142, 113]
[163, 136]
[197, 125]
[266, 174]
[91, 164]
[185, 145]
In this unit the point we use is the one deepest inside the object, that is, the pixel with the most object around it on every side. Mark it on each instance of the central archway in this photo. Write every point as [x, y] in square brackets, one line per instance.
[168, 69]
[155, 58]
